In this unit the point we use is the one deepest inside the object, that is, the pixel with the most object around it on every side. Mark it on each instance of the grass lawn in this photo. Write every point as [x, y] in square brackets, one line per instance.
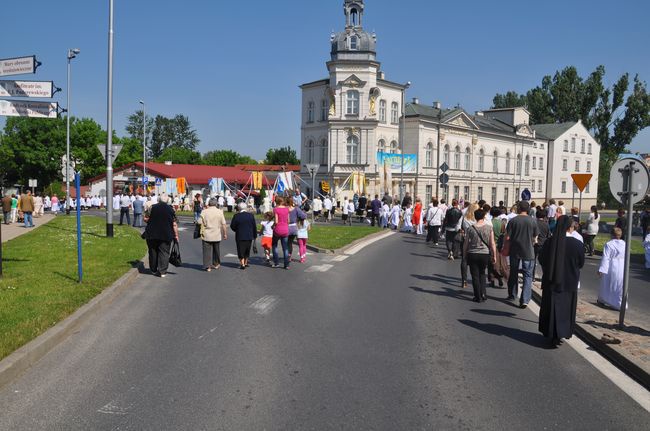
[39, 286]
[602, 238]
[333, 237]
[225, 213]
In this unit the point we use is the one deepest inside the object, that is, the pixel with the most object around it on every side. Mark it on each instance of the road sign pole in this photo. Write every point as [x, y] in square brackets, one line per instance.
[580, 208]
[79, 256]
[628, 193]
[109, 128]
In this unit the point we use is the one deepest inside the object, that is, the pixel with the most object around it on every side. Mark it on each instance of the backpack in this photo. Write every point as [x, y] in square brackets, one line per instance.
[453, 216]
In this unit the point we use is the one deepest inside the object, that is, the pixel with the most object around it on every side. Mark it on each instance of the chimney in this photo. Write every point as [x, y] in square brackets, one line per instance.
[416, 101]
[479, 113]
[437, 105]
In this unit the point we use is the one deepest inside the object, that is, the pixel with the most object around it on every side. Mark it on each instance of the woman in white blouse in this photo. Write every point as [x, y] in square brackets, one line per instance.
[592, 230]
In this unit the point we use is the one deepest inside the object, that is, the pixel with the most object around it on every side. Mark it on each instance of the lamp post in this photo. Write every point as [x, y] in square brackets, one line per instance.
[144, 144]
[72, 53]
[401, 138]
[313, 170]
[109, 127]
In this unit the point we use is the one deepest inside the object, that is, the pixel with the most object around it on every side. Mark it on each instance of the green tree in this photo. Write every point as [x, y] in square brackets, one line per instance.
[281, 156]
[134, 127]
[226, 158]
[172, 132]
[131, 150]
[180, 155]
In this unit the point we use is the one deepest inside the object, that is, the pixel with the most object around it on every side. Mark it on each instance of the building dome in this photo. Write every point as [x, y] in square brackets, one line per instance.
[353, 40]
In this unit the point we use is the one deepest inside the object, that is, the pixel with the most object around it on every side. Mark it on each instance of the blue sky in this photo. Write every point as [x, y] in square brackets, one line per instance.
[234, 67]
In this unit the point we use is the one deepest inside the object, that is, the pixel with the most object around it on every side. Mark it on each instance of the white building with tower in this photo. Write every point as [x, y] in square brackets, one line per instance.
[353, 125]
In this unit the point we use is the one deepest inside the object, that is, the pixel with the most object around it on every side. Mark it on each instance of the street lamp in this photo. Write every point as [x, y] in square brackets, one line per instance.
[313, 170]
[144, 145]
[72, 53]
[401, 136]
[109, 127]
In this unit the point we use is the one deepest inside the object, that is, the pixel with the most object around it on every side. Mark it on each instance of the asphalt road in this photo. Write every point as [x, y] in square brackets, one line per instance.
[384, 339]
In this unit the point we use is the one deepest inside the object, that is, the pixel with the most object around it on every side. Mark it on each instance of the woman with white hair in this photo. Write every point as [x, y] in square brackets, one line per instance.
[161, 230]
[245, 228]
[213, 231]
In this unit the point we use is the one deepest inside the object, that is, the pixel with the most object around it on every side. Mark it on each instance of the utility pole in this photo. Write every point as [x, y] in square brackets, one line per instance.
[109, 127]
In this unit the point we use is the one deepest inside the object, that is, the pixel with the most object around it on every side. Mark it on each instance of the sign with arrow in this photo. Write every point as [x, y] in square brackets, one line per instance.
[27, 89]
[116, 150]
[16, 108]
[18, 65]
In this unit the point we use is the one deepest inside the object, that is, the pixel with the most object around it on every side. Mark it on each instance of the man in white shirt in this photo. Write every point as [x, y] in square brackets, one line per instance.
[116, 201]
[125, 205]
[327, 205]
[317, 205]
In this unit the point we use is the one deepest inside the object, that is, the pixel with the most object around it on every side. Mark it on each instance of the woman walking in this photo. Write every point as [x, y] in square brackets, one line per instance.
[294, 214]
[417, 217]
[303, 234]
[198, 207]
[592, 230]
[161, 230]
[434, 221]
[500, 268]
[280, 231]
[213, 231]
[478, 251]
[468, 221]
[562, 258]
[245, 228]
[611, 271]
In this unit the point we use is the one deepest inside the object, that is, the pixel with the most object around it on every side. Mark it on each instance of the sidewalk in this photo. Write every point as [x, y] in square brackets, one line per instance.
[598, 326]
[14, 230]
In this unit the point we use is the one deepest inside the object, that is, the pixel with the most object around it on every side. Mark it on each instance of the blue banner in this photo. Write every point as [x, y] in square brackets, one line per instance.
[394, 160]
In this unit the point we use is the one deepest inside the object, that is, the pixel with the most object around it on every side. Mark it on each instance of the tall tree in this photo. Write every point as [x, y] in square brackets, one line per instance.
[172, 132]
[281, 156]
[134, 127]
[226, 158]
[179, 155]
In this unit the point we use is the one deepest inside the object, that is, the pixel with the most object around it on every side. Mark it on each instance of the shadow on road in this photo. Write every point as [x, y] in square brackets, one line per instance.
[451, 281]
[613, 326]
[530, 338]
[463, 295]
[500, 314]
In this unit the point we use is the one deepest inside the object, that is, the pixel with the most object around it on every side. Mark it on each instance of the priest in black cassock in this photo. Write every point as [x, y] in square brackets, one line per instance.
[561, 258]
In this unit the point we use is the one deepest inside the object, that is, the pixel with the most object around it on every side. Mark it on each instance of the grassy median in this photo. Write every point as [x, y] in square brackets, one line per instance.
[602, 238]
[39, 285]
[333, 237]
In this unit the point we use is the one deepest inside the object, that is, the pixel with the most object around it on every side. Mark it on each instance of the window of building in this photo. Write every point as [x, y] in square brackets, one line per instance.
[506, 194]
[324, 110]
[457, 158]
[507, 163]
[494, 196]
[310, 152]
[352, 102]
[587, 188]
[517, 194]
[310, 112]
[541, 146]
[352, 150]
[539, 186]
[466, 193]
[563, 188]
[577, 165]
[518, 164]
[582, 146]
[394, 114]
[428, 156]
[481, 160]
[588, 166]
[445, 192]
[445, 154]
[565, 164]
[429, 192]
[495, 161]
[534, 163]
[354, 43]
[527, 166]
[382, 111]
[381, 146]
[468, 159]
[480, 194]
[456, 192]
[323, 152]
[541, 163]
[394, 147]
[566, 146]
[573, 145]
[589, 148]
[532, 187]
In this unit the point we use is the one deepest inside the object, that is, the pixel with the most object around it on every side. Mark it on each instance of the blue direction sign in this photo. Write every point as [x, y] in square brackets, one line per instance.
[145, 180]
[444, 179]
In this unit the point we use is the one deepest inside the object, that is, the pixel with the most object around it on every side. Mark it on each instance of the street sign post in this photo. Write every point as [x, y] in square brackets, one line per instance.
[581, 181]
[18, 65]
[116, 150]
[628, 182]
[33, 109]
[45, 89]
[444, 179]
[33, 183]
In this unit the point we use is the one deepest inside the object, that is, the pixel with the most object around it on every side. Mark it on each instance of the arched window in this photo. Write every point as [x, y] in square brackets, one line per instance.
[527, 166]
[468, 159]
[323, 152]
[457, 157]
[354, 17]
[481, 160]
[382, 111]
[428, 156]
[495, 161]
[445, 155]
[394, 115]
[394, 148]
[310, 152]
[310, 112]
[354, 43]
[518, 168]
[507, 163]
[352, 102]
[352, 150]
[324, 110]
[381, 146]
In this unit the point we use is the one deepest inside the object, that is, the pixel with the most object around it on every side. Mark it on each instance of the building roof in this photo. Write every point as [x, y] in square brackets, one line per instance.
[484, 123]
[269, 168]
[552, 131]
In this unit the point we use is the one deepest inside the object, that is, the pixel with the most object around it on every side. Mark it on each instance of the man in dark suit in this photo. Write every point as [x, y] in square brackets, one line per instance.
[161, 230]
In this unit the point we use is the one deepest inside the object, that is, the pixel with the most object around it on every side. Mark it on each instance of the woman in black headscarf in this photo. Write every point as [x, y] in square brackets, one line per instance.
[561, 258]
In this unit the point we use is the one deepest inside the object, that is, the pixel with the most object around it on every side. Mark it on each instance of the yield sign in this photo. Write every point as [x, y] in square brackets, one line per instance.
[581, 180]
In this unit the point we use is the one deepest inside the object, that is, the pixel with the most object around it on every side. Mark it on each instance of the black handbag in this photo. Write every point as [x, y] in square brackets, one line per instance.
[197, 231]
[175, 255]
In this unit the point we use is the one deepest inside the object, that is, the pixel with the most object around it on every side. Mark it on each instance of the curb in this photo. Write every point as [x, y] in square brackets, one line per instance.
[342, 250]
[22, 359]
[618, 358]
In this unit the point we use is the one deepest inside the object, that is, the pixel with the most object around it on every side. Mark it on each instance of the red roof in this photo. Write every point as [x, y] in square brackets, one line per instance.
[269, 168]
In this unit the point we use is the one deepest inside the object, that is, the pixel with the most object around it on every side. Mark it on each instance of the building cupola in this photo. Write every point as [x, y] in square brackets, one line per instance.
[353, 43]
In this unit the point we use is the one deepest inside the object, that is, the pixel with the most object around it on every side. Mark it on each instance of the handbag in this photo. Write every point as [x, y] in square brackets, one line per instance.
[197, 231]
[254, 246]
[175, 255]
[505, 250]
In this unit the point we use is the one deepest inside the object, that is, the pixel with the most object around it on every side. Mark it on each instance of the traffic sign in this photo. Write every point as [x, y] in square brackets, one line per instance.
[18, 65]
[19, 108]
[158, 182]
[145, 180]
[33, 183]
[27, 89]
[116, 150]
[444, 179]
[640, 178]
[444, 167]
[581, 180]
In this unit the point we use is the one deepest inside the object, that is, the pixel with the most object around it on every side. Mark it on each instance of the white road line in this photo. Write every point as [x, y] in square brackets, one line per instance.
[209, 332]
[320, 268]
[113, 409]
[360, 246]
[265, 304]
[634, 390]
[340, 258]
[230, 255]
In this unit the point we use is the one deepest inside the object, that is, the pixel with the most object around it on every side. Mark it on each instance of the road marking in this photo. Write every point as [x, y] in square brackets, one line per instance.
[634, 390]
[209, 332]
[181, 229]
[340, 258]
[113, 409]
[319, 268]
[265, 304]
[360, 246]
[230, 255]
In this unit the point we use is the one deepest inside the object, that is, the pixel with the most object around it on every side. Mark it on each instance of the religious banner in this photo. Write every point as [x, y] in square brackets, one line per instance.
[394, 160]
[325, 186]
[257, 180]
